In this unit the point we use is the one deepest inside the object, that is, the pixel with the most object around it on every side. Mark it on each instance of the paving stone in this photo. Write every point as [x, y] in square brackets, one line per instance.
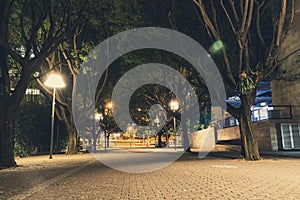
[187, 178]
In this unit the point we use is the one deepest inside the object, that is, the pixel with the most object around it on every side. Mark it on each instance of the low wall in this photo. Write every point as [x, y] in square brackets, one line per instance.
[261, 133]
[230, 133]
[204, 140]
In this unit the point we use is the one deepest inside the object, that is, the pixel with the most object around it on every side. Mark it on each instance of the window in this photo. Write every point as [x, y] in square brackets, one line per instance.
[290, 136]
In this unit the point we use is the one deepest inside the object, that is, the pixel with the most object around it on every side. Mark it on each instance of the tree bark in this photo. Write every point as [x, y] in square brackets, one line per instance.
[94, 141]
[6, 137]
[107, 139]
[159, 140]
[64, 114]
[8, 108]
[185, 139]
[6, 114]
[71, 149]
[73, 132]
[249, 146]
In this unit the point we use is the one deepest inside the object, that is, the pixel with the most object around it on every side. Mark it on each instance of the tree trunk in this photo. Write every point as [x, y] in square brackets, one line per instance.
[159, 138]
[6, 137]
[72, 144]
[249, 149]
[159, 141]
[6, 113]
[107, 140]
[95, 136]
[64, 114]
[185, 139]
[8, 107]
[94, 143]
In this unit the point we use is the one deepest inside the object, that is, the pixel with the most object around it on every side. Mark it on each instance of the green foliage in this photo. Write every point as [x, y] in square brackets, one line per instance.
[21, 147]
[245, 84]
[195, 126]
[32, 127]
[201, 126]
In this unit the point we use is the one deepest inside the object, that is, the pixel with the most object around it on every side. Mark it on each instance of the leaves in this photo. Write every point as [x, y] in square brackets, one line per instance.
[245, 84]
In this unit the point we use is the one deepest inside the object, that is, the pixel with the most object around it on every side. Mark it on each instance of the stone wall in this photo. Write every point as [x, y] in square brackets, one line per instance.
[286, 86]
[230, 133]
[261, 132]
[203, 141]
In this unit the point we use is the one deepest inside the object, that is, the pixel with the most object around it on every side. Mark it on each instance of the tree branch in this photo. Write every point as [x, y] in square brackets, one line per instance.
[206, 19]
[281, 22]
[171, 16]
[68, 60]
[214, 16]
[245, 12]
[216, 35]
[249, 19]
[234, 11]
[259, 5]
[228, 17]
[232, 110]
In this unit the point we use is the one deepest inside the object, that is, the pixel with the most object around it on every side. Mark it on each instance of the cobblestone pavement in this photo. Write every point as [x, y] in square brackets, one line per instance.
[82, 177]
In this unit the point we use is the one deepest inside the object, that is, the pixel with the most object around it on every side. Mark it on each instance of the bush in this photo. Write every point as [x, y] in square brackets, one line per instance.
[32, 128]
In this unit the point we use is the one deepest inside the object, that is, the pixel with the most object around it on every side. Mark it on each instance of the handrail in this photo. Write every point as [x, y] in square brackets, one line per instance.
[268, 112]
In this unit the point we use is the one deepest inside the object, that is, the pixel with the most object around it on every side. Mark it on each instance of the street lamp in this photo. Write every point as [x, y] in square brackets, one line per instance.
[129, 130]
[174, 107]
[156, 122]
[54, 81]
[108, 107]
[140, 119]
[98, 118]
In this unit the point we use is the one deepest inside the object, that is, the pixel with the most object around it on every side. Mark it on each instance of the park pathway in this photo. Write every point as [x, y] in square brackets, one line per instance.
[84, 177]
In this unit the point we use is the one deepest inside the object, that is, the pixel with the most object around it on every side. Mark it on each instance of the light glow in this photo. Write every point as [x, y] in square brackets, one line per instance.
[55, 81]
[98, 116]
[174, 105]
[109, 105]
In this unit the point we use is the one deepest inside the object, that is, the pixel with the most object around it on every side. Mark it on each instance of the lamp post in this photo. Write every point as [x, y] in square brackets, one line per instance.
[140, 120]
[156, 122]
[129, 130]
[98, 118]
[54, 81]
[174, 107]
[108, 107]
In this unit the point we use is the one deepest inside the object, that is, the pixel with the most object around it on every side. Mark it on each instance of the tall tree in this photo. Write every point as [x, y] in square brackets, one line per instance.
[104, 18]
[38, 27]
[248, 35]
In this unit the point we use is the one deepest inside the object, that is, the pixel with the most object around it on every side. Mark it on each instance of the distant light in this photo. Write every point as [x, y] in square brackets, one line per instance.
[32, 91]
[109, 105]
[55, 81]
[156, 120]
[36, 74]
[174, 105]
[129, 128]
[263, 104]
[98, 116]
